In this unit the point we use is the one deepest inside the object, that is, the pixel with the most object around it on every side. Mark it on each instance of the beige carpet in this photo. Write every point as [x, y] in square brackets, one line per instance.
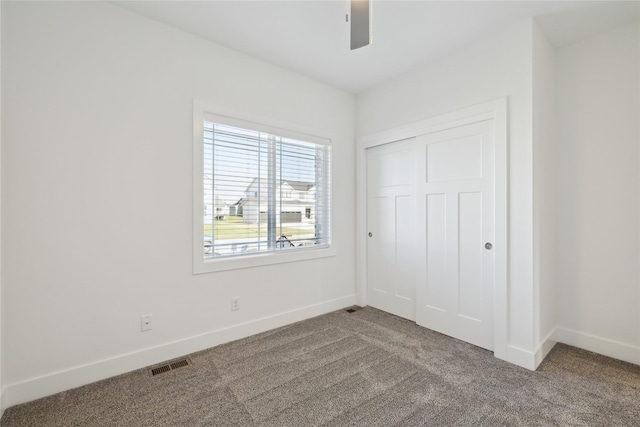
[367, 368]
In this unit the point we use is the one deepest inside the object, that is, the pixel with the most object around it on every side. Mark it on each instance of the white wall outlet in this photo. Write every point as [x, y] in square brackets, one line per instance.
[145, 323]
[235, 303]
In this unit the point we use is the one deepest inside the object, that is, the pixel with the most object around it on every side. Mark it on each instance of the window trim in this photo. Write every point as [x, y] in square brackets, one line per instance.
[202, 110]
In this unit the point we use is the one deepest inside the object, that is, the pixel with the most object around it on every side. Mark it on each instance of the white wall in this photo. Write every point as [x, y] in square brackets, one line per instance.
[96, 191]
[597, 134]
[494, 67]
[544, 183]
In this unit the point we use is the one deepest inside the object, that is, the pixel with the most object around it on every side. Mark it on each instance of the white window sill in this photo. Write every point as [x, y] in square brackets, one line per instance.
[202, 265]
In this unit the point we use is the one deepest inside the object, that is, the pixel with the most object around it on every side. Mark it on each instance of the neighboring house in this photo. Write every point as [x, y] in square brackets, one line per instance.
[296, 201]
[237, 209]
[220, 208]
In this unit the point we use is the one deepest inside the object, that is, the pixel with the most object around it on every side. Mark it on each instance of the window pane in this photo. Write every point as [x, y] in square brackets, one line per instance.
[263, 192]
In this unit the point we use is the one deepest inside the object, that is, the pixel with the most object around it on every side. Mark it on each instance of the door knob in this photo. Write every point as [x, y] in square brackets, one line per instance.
[488, 246]
[370, 234]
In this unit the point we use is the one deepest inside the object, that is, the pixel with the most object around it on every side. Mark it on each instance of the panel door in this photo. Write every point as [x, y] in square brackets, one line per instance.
[391, 245]
[455, 211]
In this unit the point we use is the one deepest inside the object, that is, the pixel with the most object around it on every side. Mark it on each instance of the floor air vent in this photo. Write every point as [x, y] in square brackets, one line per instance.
[353, 309]
[169, 366]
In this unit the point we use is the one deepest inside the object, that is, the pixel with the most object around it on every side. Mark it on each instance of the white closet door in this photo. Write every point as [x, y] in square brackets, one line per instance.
[391, 245]
[455, 231]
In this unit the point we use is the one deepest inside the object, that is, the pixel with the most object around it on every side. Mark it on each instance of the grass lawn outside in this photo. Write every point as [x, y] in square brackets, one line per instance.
[233, 227]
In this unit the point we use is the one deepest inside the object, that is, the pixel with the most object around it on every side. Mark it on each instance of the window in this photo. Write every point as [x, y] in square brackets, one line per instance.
[247, 174]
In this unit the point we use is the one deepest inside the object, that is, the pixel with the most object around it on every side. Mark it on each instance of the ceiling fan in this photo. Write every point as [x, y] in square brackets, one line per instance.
[360, 20]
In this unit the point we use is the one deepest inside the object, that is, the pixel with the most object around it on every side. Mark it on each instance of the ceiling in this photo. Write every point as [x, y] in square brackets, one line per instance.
[311, 37]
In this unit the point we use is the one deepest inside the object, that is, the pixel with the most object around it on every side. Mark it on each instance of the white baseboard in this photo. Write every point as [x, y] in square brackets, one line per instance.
[521, 357]
[528, 359]
[545, 347]
[3, 405]
[604, 346]
[56, 382]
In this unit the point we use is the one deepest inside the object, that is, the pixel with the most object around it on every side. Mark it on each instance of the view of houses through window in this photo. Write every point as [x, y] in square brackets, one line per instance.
[263, 192]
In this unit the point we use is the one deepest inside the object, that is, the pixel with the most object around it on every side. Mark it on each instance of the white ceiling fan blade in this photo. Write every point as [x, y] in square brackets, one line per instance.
[360, 20]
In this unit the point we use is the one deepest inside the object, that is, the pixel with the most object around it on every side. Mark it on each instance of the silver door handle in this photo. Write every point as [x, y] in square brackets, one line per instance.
[488, 246]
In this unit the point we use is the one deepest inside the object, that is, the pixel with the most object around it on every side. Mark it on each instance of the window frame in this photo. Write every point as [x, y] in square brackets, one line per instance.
[202, 111]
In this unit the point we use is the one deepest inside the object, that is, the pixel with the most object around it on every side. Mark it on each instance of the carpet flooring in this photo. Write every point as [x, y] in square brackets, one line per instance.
[366, 368]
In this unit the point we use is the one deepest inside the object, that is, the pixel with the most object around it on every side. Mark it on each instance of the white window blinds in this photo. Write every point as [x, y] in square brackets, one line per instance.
[263, 192]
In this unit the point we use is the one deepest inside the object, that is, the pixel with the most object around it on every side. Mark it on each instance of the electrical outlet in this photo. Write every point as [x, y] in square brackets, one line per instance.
[145, 323]
[235, 303]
